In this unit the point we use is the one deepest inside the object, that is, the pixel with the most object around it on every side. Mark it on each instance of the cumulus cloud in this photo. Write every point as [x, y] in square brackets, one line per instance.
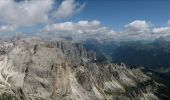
[7, 28]
[135, 30]
[162, 30]
[84, 30]
[68, 8]
[81, 30]
[143, 30]
[32, 12]
[24, 13]
[138, 27]
[169, 22]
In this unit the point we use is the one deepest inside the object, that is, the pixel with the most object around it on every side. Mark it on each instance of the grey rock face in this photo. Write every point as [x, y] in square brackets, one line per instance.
[75, 53]
[33, 69]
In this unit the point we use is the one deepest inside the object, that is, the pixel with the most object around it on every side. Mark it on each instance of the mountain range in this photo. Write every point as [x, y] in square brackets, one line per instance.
[37, 69]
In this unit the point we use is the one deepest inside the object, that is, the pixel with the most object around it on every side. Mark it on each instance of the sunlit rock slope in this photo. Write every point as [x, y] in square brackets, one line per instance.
[35, 69]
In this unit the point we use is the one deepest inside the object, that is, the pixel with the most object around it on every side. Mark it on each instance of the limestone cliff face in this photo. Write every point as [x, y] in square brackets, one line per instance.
[75, 53]
[32, 69]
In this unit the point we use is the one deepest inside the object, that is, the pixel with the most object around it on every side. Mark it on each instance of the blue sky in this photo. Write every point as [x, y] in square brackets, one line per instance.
[117, 13]
[83, 19]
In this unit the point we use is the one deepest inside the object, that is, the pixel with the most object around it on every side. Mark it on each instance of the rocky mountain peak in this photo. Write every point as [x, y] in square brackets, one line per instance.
[59, 70]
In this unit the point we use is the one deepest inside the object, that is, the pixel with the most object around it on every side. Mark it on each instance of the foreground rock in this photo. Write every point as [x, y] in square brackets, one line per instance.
[32, 69]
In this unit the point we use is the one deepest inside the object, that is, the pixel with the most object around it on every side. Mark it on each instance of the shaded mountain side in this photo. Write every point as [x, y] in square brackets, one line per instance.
[153, 55]
[163, 88]
[104, 49]
[36, 69]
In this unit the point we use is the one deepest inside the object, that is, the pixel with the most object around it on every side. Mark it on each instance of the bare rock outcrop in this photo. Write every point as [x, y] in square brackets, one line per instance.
[33, 69]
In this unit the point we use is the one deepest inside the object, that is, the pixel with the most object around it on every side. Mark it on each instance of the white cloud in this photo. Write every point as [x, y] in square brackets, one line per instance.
[137, 27]
[7, 28]
[143, 30]
[169, 22]
[32, 12]
[162, 30]
[81, 30]
[136, 30]
[68, 8]
[25, 13]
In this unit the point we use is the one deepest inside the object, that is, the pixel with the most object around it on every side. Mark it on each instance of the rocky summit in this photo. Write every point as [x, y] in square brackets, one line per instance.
[36, 69]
